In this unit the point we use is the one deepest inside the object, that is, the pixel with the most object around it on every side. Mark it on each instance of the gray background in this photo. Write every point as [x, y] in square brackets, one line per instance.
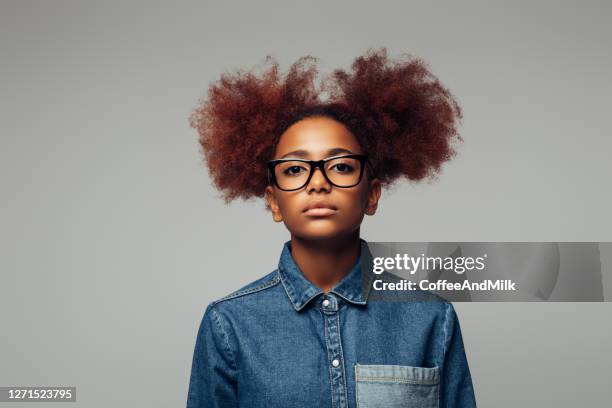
[112, 240]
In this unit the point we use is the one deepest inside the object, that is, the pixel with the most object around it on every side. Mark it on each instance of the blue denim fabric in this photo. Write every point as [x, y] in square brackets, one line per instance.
[281, 342]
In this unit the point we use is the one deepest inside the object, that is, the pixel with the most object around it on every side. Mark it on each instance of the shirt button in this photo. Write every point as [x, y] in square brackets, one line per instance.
[335, 363]
[325, 304]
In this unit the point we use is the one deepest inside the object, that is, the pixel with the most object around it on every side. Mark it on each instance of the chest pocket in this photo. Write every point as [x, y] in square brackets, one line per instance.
[394, 386]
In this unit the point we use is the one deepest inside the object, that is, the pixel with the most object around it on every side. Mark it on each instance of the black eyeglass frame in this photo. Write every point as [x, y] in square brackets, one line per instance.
[314, 164]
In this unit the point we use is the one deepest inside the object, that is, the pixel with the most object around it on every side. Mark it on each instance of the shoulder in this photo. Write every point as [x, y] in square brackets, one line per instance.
[252, 291]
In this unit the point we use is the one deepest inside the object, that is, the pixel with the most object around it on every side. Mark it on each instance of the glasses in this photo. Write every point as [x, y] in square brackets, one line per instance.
[341, 171]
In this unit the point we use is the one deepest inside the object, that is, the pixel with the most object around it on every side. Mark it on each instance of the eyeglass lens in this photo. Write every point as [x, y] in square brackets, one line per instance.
[342, 172]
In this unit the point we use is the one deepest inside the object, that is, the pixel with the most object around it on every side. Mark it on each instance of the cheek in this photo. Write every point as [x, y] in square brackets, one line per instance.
[289, 205]
[355, 202]
[360, 198]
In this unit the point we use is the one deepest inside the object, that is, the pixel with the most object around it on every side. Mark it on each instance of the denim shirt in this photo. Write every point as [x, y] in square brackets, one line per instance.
[282, 342]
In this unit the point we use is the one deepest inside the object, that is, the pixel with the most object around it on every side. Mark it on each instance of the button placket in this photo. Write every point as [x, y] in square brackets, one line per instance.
[329, 307]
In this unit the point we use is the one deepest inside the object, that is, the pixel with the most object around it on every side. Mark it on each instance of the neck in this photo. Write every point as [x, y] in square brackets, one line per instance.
[326, 262]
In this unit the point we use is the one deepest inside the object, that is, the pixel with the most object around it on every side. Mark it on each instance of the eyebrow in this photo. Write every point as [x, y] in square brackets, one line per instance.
[330, 152]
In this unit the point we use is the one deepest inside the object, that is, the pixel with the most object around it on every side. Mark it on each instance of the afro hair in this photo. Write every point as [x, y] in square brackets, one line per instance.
[402, 116]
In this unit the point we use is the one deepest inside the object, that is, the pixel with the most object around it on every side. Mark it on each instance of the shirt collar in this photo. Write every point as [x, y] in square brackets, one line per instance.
[301, 291]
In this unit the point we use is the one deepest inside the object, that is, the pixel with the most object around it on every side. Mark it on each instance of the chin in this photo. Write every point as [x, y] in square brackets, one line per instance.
[322, 232]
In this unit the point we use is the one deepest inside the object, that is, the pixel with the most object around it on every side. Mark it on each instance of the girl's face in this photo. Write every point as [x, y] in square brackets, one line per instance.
[317, 138]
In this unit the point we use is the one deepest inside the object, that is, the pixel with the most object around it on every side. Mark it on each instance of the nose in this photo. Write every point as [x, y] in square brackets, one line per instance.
[318, 181]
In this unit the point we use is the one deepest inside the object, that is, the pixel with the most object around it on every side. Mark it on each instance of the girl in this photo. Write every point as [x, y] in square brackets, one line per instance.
[309, 334]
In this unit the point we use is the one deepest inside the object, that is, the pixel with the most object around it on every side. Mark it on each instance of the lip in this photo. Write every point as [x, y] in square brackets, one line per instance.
[320, 209]
[320, 212]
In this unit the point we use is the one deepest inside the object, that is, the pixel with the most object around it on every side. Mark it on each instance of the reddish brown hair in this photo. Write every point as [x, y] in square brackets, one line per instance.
[403, 117]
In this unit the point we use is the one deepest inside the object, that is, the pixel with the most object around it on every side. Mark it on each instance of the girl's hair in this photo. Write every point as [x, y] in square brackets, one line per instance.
[402, 116]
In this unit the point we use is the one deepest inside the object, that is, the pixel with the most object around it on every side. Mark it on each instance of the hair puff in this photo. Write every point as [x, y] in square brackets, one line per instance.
[401, 114]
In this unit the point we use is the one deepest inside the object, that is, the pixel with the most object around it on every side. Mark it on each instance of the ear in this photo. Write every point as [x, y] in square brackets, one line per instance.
[373, 196]
[273, 204]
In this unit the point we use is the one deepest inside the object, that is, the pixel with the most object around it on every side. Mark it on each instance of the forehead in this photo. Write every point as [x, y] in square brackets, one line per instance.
[316, 137]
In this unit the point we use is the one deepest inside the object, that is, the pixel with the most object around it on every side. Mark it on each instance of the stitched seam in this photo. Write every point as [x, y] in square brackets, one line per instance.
[446, 312]
[226, 338]
[342, 355]
[355, 302]
[442, 362]
[357, 388]
[369, 279]
[244, 292]
[288, 287]
[282, 281]
[397, 380]
[329, 369]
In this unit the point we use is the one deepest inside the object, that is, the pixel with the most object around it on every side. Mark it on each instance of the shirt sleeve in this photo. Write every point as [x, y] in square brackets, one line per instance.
[456, 389]
[213, 370]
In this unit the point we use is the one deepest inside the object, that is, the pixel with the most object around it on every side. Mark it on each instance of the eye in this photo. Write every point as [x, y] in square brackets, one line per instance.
[343, 168]
[294, 170]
